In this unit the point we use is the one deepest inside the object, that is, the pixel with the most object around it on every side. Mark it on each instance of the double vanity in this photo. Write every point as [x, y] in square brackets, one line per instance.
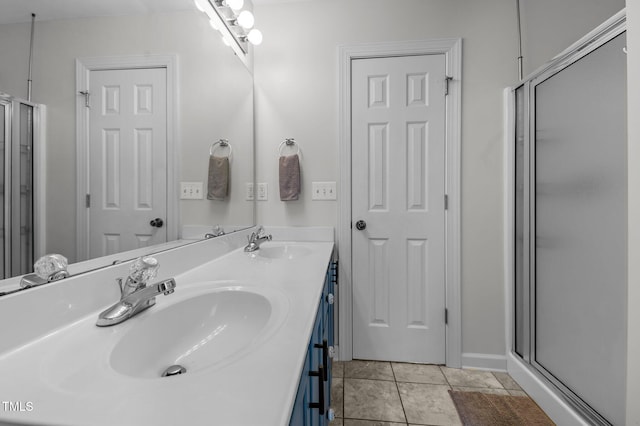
[244, 338]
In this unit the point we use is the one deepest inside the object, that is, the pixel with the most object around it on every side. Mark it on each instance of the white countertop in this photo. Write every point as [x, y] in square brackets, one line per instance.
[65, 377]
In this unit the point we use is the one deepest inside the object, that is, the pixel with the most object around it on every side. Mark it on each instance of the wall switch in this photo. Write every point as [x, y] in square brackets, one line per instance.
[191, 190]
[249, 194]
[323, 191]
[263, 191]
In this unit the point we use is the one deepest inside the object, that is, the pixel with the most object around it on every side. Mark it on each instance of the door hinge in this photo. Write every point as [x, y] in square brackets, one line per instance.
[86, 95]
[446, 85]
[446, 202]
[446, 316]
[87, 200]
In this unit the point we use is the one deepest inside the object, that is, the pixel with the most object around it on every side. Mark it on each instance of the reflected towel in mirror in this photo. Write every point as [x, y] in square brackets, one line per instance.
[218, 179]
[289, 168]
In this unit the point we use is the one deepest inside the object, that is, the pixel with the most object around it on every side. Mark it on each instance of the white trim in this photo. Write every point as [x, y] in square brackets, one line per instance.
[83, 68]
[452, 49]
[489, 362]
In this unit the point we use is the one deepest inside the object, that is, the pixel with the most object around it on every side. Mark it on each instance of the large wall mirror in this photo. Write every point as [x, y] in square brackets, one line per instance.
[213, 100]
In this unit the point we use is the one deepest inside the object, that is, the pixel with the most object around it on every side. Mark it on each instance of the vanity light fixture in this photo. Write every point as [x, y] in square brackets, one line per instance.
[234, 23]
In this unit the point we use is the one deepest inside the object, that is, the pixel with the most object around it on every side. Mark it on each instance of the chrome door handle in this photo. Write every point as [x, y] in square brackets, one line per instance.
[361, 225]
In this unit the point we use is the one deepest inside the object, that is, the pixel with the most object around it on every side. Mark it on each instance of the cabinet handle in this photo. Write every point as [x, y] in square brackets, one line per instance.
[319, 374]
[325, 355]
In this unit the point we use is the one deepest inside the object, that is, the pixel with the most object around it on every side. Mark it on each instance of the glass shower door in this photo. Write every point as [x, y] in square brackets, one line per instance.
[570, 227]
[22, 191]
[16, 186]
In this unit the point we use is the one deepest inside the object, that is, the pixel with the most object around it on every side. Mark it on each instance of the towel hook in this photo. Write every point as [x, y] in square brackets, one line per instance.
[288, 142]
[223, 144]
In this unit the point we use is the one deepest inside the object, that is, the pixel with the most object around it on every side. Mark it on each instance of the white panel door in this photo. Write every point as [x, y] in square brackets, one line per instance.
[398, 184]
[127, 159]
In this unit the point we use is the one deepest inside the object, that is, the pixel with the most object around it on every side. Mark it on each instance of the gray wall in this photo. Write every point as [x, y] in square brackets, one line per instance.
[550, 26]
[297, 96]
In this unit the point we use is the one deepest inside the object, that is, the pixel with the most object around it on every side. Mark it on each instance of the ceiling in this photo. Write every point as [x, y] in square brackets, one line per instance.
[12, 11]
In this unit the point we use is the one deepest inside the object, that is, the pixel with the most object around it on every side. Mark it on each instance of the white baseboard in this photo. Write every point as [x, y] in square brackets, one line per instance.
[484, 361]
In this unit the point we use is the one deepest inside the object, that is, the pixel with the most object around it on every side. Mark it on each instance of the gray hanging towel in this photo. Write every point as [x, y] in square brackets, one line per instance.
[289, 168]
[218, 180]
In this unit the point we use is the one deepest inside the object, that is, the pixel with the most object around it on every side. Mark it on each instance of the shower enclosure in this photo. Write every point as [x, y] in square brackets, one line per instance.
[569, 217]
[19, 124]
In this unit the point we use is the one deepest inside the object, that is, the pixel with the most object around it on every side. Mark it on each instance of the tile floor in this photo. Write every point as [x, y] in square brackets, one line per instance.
[372, 393]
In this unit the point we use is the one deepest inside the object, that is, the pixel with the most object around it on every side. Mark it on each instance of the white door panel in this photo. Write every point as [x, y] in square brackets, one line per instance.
[127, 159]
[398, 179]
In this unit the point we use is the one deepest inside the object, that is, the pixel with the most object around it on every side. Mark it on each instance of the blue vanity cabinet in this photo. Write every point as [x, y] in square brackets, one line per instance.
[312, 402]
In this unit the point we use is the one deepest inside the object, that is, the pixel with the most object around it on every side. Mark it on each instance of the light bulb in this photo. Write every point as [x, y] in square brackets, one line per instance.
[235, 4]
[246, 19]
[214, 24]
[225, 41]
[254, 37]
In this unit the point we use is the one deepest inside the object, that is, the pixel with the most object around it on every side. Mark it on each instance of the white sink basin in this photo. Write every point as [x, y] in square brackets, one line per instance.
[283, 251]
[208, 330]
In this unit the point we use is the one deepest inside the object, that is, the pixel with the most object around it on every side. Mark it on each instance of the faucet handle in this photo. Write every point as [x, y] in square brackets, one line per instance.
[51, 267]
[143, 269]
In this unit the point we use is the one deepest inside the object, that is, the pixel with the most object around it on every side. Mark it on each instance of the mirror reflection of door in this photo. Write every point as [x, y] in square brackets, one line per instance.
[127, 159]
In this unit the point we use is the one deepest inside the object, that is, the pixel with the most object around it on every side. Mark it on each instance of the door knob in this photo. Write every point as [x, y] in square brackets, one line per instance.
[157, 222]
[361, 225]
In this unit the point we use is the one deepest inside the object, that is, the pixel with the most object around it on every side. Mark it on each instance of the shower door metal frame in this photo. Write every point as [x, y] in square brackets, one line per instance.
[603, 34]
[11, 208]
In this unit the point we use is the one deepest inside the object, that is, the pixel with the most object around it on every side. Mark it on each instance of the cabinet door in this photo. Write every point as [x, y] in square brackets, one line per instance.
[300, 413]
[316, 383]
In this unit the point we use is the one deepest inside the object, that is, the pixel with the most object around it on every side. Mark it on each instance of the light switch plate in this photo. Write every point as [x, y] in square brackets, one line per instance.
[191, 190]
[263, 191]
[249, 192]
[323, 191]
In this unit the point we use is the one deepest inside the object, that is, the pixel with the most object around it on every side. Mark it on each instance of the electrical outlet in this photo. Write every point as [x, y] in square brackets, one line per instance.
[249, 192]
[323, 191]
[263, 191]
[191, 190]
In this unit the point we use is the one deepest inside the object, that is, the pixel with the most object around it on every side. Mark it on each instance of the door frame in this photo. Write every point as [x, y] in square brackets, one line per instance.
[452, 49]
[84, 66]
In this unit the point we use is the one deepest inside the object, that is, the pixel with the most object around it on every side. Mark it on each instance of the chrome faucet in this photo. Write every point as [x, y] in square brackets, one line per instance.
[48, 268]
[256, 238]
[136, 295]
